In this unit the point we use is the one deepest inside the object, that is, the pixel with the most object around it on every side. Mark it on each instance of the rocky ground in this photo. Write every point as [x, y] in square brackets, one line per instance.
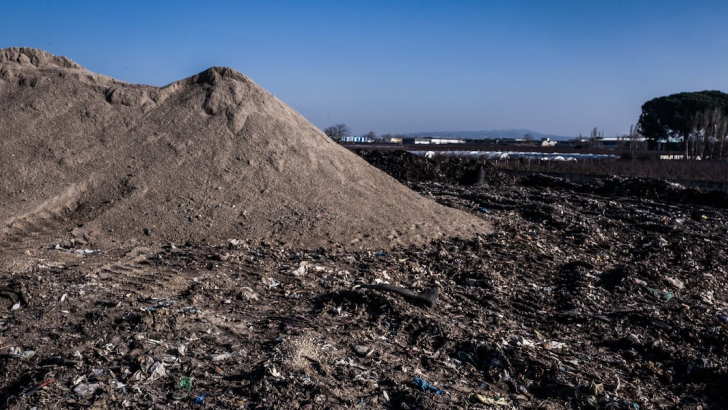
[610, 295]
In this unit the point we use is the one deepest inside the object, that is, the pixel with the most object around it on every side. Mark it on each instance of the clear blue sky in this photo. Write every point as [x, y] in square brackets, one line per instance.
[559, 67]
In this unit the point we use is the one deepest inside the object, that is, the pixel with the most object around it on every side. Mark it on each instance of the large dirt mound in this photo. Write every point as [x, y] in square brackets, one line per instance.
[210, 157]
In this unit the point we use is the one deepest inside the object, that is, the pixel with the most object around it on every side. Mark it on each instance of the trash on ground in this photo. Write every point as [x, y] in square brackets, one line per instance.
[425, 386]
[676, 283]
[185, 383]
[40, 386]
[85, 390]
[301, 270]
[490, 401]
[271, 283]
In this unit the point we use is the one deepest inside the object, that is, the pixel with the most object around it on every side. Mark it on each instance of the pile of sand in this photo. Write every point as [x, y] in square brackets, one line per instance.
[210, 157]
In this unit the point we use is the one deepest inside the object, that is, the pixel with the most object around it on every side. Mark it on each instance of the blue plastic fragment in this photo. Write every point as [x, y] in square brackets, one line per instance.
[484, 210]
[426, 386]
[723, 318]
[199, 399]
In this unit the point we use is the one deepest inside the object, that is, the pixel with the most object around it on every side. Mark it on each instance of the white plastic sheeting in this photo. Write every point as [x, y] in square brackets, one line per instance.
[503, 155]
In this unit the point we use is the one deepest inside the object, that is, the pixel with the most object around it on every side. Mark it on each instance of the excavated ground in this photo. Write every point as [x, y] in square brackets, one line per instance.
[604, 296]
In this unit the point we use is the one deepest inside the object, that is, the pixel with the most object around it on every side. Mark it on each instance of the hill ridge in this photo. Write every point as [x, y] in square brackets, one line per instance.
[36, 57]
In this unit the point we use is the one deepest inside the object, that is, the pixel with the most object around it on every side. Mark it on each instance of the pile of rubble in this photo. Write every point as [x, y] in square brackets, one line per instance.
[580, 299]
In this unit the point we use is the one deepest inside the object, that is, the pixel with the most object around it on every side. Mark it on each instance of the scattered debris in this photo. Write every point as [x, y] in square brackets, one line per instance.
[185, 383]
[271, 283]
[85, 390]
[301, 270]
[490, 401]
[426, 386]
[38, 387]
[191, 309]
[429, 296]
[363, 351]
[561, 307]
[676, 283]
[12, 297]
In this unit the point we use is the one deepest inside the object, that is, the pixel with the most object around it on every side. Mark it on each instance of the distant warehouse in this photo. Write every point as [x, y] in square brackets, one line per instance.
[356, 139]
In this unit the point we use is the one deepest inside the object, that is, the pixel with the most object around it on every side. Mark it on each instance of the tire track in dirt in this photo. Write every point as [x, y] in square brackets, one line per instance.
[133, 273]
[46, 216]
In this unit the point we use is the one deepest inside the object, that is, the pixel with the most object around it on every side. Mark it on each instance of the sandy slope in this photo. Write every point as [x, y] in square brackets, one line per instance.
[207, 158]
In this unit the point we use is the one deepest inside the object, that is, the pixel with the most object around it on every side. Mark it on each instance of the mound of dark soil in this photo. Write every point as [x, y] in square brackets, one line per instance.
[408, 167]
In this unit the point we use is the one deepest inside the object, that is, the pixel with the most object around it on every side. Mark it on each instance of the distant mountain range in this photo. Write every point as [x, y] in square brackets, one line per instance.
[509, 133]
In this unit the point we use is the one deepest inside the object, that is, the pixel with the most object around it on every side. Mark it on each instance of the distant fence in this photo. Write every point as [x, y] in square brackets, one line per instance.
[588, 178]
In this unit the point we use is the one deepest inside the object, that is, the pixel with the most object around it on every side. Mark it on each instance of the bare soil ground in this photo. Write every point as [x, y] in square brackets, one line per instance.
[583, 297]
[651, 167]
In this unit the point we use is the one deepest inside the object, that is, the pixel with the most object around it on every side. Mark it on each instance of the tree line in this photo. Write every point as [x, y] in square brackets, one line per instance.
[698, 119]
[337, 132]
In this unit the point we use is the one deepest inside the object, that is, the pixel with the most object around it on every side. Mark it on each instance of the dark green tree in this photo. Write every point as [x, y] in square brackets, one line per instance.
[673, 116]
